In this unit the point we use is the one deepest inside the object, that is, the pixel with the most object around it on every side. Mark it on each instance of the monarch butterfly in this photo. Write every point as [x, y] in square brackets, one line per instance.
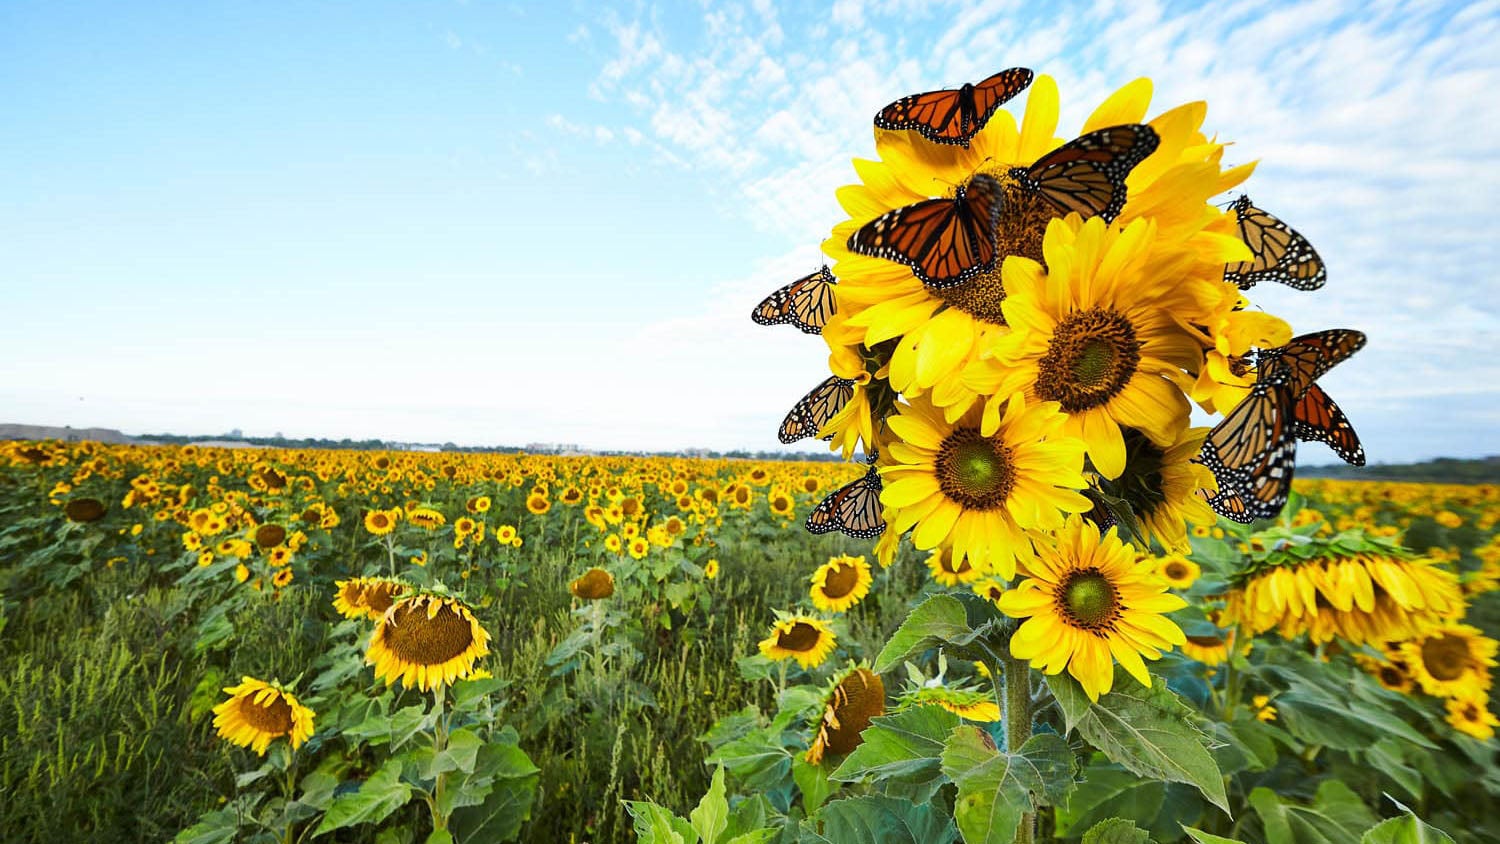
[945, 241]
[1253, 451]
[1281, 254]
[852, 509]
[949, 241]
[808, 416]
[1087, 174]
[954, 117]
[806, 303]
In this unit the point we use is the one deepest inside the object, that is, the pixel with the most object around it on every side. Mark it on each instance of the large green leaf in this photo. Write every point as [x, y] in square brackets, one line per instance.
[711, 817]
[906, 746]
[1149, 731]
[1337, 816]
[1116, 831]
[1407, 829]
[812, 781]
[874, 819]
[377, 797]
[507, 778]
[655, 825]
[996, 788]
[955, 622]
[756, 759]
[1109, 792]
[1202, 837]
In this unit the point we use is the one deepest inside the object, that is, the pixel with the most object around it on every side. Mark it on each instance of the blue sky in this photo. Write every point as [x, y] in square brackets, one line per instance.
[507, 223]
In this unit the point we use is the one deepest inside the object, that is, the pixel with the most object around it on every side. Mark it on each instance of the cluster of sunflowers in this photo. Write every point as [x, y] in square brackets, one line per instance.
[1013, 417]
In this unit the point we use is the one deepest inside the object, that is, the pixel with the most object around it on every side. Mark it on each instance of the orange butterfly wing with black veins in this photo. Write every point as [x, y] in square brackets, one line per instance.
[1253, 454]
[808, 416]
[1087, 174]
[806, 303]
[1304, 359]
[954, 117]
[945, 241]
[1315, 418]
[1281, 254]
[853, 509]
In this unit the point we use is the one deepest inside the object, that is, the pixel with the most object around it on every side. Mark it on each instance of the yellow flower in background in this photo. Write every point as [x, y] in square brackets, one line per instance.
[1448, 519]
[950, 572]
[711, 569]
[1451, 661]
[381, 522]
[1209, 650]
[595, 584]
[1162, 486]
[1390, 672]
[977, 493]
[1178, 571]
[426, 518]
[804, 638]
[1470, 714]
[258, 713]
[426, 642]
[537, 504]
[965, 703]
[1264, 711]
[1089, 602]
[367, 597]
[840, 583]
[639, 547]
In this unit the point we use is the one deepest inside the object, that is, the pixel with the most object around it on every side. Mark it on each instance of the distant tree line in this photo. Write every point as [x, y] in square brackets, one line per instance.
[1443, 470]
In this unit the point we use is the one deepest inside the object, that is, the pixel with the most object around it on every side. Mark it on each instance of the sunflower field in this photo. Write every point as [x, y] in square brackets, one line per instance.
[234, 645]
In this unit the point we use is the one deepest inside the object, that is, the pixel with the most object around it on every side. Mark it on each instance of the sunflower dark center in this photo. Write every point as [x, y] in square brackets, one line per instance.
[275, 718]
[840, 581]
[1088, 600]
[1445, 657]
[1091, 357]
[975, 470]
[1175, 570]
[801, 638]
[1390, 675]
[380, 596]
[416, 639]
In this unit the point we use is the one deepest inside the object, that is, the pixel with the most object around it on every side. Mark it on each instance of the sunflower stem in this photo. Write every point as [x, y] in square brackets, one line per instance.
[1018, 727]
[439, 744]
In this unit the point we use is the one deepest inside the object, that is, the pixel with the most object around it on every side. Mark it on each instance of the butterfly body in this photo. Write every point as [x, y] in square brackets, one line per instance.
[954, 116]
[808, 416]
[1280, 253]
[806, 303]
[853, 509]
[947, 242]
[1253, 451]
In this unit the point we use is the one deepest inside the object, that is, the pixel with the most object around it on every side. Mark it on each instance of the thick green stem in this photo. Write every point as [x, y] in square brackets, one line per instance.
[1018, 728]
[439, 744]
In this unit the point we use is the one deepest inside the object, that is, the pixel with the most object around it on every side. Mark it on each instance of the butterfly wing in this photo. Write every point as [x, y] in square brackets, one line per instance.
[1281, 254]
[806, 303]
[852, 509]
[1315, 417]
[1252, 454]
[994, 92]
[945, 241]
[1087, 175]
[808, 416]
[954, 117]
[1305, 359]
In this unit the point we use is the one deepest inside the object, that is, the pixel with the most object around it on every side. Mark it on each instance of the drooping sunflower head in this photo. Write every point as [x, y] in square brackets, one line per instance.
[856, 698]
[426, 642]
[84, 510]
[367, 597]
[426, 518]
[1209, 650]
[1089, 600]
[806, 639]
[596, 584]
[258, 713]
[840, 583]
[977, 490]
[269, 535]
[970, 704]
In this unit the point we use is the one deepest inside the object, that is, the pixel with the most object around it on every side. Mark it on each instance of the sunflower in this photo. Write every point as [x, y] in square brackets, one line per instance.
[258, 713]
[537, 504]
[804, 638]
[1229, 332]
[947, 571]
[1178, 571]
[426, 518]
[840, 583]
[970, 704]
[269, 536]
[1470, 714]
[84, 510]
[989, 589]
[1088, 599]
[1370, 597]
[1391, 673]
[367, 597]
[1451, 661]
[780, 502]
[281, 578]
[1101, 331]
[1162, 486]
[1209, 650]
[639, 547]
[711, 569]
[1264, 711]
[595, 584]
[941, 331]
[978, 493]
[381, 522]
[426, 641]
[855, 699]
